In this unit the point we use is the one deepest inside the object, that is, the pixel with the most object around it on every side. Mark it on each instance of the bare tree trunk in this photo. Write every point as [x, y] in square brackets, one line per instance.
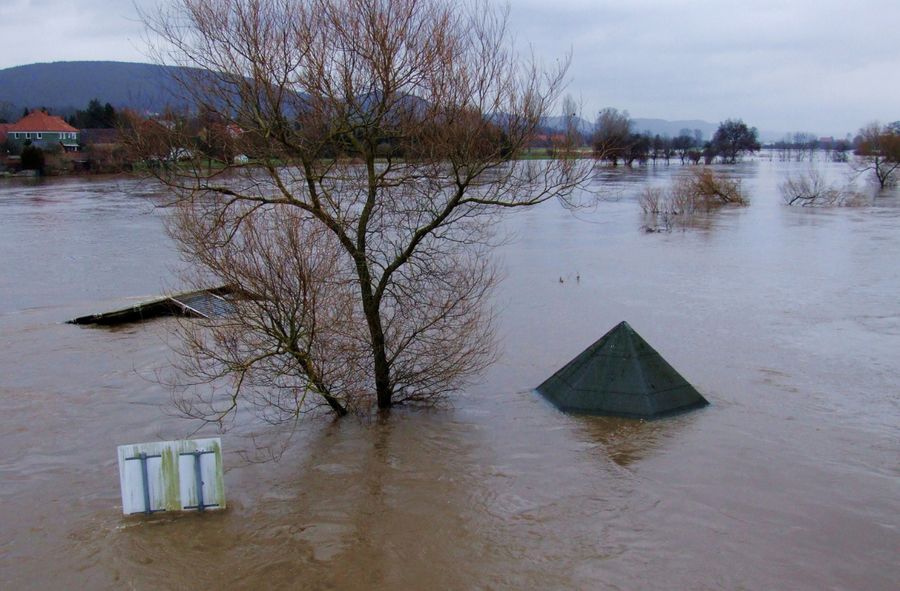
[381, 367]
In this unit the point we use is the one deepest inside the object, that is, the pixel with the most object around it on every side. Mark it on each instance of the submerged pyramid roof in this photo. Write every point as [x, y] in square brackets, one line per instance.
[621, 375]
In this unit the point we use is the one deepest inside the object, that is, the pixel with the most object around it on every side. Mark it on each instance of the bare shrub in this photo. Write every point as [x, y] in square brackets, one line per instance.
[682, 202]
[707, 190]
[702, 190]
[652, 200]
[811, 190]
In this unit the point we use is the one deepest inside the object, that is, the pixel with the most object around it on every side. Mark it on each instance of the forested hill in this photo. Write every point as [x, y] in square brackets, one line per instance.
[63, 87]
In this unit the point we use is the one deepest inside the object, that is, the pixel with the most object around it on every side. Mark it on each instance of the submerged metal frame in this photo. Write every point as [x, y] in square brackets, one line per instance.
[198, 479]
[145, 481]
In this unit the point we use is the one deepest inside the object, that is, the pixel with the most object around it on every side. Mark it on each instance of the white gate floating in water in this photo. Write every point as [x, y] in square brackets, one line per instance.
[172, 476]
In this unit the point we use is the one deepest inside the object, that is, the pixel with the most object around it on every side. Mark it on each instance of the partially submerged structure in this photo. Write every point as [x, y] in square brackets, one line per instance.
[621, 375]
[204, 303]
[172, 476]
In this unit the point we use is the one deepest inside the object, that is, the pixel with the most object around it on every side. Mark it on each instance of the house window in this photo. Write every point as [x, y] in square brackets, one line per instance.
[39, 136]
[16, 135]
[28, 135]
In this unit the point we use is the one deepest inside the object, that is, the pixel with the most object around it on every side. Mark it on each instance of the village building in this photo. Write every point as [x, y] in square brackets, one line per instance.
[44, 130]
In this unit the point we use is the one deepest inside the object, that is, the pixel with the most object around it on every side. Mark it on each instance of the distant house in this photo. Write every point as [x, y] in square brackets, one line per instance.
[43, 130]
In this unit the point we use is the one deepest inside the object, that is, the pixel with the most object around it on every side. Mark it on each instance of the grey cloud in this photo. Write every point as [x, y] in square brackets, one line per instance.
[826, 66]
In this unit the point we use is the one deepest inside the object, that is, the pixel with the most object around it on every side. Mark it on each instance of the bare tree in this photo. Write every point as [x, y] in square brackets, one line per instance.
[612, 135]
[812, 190]
[878, 150]
[381, 137]
[683, 144]
[571, 118]
[733, 138]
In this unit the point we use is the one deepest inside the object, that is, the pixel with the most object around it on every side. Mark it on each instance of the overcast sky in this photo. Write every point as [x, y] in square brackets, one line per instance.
[826, 66]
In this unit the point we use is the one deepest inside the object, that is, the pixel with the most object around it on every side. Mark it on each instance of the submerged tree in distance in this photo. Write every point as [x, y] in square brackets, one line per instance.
[380, 137]
[701, 190]
[878, 150]
[734, 138]
[612, 135]
[683, 144]
[810, 189]
[571, 120]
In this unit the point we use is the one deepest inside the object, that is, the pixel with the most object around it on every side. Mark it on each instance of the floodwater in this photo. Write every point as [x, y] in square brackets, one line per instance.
[787, 320]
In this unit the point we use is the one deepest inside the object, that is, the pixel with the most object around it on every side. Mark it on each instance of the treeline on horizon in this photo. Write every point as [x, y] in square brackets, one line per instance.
[615, 140]
[94, 116]
[208, 135]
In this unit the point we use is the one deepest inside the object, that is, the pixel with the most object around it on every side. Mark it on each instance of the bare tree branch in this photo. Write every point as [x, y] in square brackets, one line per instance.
[377, 143]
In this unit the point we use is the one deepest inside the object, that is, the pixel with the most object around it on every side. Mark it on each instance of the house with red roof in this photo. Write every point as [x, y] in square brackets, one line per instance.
[43, 130]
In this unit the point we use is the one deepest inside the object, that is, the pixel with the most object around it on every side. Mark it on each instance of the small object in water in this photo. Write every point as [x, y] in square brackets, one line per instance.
[171, 476]
[203, 303]
[561, 280]
[621, 375]
[578, 277]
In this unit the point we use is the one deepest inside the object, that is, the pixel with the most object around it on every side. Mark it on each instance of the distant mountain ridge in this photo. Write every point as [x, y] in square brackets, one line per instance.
[64, 87]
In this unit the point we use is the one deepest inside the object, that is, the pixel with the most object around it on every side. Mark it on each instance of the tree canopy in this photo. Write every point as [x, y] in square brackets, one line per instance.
[95, 116]
[734, 138]
[878, 150]
[612, 135]
[381, 135]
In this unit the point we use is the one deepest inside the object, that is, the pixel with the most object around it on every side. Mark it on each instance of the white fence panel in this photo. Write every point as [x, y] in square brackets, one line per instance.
[172, 476]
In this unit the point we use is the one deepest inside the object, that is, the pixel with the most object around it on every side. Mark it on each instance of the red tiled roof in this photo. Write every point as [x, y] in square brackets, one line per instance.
[40, 121]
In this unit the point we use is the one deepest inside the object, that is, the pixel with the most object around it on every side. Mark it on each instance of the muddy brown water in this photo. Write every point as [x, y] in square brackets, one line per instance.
[787, 320]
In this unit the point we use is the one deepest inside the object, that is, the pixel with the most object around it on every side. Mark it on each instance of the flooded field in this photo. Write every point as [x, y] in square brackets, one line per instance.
[786, 319]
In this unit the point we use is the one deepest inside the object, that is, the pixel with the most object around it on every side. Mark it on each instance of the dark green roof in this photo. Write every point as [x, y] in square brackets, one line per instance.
[621, 375]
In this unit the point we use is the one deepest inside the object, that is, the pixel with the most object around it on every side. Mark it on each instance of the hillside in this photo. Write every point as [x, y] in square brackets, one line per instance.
[63, 87]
